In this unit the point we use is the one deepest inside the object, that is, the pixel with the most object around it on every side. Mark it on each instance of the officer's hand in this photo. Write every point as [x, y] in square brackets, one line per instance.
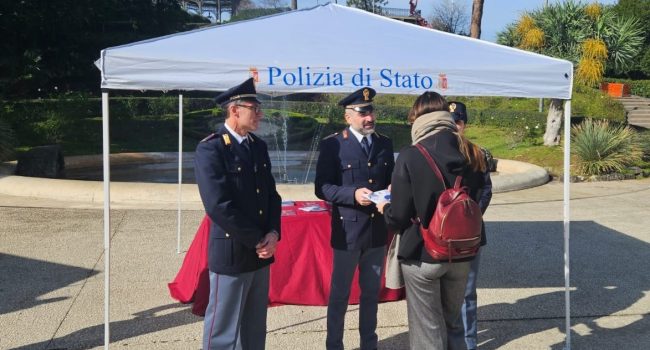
[266, 247]
[361, 196]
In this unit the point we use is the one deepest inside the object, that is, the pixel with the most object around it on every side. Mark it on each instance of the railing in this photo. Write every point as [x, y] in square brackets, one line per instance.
[396, 12]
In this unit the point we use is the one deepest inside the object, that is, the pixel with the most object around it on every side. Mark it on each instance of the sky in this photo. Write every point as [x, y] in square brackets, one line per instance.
[496, 13]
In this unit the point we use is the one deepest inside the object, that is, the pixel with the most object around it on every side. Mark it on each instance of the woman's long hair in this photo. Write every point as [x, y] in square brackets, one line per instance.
[428, 102]
[431, 101]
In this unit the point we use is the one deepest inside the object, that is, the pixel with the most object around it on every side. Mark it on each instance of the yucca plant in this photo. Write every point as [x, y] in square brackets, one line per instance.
[603, 148]
[6, 141]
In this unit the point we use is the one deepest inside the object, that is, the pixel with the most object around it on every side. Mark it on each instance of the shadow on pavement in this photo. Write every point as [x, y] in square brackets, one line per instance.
[144, 322]
[609, 274]
[23, 281]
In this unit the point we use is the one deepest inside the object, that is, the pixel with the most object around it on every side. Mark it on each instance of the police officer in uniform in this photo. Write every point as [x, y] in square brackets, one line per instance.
[233, 172]
[458, 111]
[351, 165]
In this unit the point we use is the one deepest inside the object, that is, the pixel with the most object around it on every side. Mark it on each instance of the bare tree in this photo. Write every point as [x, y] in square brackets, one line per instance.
[274, 4]
[477, 16]
[374, 6]
[450, 16]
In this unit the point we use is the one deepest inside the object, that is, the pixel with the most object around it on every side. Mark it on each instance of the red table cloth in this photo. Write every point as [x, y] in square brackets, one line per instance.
[300, 275]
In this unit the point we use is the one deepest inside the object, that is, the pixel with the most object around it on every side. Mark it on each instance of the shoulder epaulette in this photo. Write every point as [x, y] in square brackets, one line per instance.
[209, 137]
[226, 139]
[380, 135]
[330, 136]
[345, 133]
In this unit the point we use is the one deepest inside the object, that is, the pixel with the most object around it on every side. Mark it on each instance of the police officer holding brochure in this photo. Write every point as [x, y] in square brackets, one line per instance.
[353, 164]
[233, 172]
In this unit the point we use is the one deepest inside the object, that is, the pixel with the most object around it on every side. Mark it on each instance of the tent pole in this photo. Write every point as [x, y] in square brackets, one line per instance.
[107, 217]
[567, 220]
[180, 170]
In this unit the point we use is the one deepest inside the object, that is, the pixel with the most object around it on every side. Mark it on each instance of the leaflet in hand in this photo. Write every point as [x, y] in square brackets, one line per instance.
[315, 207]
[380, 196]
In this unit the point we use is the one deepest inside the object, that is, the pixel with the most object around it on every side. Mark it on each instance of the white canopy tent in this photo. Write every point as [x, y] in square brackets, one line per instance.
[331, 49]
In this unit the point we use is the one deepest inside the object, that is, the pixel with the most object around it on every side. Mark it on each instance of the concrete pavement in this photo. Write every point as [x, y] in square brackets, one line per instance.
[52, 281]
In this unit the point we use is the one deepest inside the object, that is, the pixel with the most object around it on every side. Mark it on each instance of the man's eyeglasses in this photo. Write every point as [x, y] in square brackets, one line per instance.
[255, 109]
[363, 111]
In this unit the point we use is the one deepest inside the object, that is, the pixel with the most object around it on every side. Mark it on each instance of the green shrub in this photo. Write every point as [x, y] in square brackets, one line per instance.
[6, 141]
[53, 128]
[603, 148]
[507, 119]
[163, 105]
[326, 110]
[644, 64]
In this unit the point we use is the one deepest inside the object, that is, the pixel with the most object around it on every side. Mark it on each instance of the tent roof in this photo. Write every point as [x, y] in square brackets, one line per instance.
[332, 48]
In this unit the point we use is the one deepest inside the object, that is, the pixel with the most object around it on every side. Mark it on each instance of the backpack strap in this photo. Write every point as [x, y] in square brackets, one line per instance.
[457, 184]
[432, 164]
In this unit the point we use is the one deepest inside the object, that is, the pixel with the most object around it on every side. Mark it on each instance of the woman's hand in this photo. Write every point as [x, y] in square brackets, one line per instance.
[380, 207]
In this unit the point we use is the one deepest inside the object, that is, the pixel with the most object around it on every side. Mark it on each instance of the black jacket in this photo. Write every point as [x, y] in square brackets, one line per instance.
[240, 198]
[342, 168]
[415, 189]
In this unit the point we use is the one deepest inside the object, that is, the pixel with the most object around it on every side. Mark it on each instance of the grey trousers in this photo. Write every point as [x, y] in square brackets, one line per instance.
[235, 318]
[370, 262]
[434, 296]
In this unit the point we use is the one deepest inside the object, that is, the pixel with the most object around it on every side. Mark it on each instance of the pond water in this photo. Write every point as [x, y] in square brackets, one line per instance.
[288, 167]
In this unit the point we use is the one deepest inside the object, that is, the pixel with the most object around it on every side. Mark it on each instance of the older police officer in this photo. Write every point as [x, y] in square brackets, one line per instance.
[351, 165]
[233, 172]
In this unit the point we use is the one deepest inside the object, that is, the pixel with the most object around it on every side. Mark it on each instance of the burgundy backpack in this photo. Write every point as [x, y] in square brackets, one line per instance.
[454, 231]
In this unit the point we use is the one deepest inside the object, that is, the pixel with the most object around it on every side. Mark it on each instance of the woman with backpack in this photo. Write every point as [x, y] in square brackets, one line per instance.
[434, 287]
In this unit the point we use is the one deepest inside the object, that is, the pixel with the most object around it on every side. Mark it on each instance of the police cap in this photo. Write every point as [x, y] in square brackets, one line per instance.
[458, 111]
[360, 100]
[243, 91]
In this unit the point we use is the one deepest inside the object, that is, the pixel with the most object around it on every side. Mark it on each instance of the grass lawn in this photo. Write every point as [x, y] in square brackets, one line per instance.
[501, 144]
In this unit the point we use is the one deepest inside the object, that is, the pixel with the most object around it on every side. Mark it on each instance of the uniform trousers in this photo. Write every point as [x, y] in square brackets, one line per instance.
[235, 318]
[434, 296]
[470, 305]
[370, 262]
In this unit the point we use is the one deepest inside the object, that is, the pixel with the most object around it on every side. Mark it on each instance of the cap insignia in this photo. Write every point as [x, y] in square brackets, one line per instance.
[452, 107]
[366, 94]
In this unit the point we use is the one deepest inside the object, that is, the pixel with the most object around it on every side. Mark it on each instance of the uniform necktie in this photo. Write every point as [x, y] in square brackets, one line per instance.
[247, 147]
[365, 145]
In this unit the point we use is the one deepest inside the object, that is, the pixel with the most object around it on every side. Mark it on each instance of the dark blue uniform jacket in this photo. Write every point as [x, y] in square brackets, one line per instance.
[240, 197]
[342, 168]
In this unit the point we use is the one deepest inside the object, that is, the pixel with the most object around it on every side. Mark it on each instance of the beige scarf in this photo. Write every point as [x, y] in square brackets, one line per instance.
[431, 123]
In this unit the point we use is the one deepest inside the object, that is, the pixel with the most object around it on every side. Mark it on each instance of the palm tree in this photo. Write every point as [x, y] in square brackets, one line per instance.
[477, 15]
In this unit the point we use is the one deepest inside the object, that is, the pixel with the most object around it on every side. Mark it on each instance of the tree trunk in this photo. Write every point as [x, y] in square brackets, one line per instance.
[553, 123]
[477, 15]
[294, 4]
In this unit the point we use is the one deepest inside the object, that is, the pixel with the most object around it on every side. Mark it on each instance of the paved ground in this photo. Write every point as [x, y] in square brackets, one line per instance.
[52, 280]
